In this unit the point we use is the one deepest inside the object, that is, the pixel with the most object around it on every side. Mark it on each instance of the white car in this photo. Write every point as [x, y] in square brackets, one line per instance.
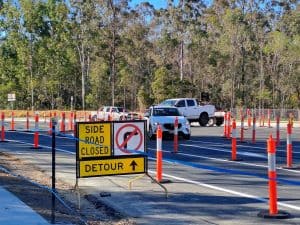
[165, 116]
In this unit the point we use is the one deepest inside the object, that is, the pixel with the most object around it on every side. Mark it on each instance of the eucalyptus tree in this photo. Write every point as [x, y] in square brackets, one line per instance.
[85, 22]
[138, 67]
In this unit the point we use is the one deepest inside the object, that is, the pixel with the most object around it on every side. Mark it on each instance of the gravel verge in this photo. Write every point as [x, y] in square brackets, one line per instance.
[33, 187]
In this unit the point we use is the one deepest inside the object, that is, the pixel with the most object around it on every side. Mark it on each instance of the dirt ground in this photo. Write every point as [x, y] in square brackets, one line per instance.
[22, 181]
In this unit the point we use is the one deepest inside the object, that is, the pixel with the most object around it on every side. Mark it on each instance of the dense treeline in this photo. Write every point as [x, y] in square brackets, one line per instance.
[83, 54]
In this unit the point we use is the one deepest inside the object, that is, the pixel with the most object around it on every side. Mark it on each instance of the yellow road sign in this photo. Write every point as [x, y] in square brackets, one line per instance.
[94, 140]
[112, 166]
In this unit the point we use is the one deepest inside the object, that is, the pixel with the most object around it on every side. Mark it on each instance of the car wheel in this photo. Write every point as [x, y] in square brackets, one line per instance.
[203, 119]
[151, 133]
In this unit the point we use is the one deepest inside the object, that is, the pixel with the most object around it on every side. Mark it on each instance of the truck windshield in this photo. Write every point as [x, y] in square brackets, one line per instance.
[166, 112]
[168, 102]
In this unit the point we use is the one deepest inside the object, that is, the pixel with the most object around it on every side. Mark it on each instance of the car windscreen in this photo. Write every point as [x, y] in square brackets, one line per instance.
[121, 109]
[166, 112]
[168, 102]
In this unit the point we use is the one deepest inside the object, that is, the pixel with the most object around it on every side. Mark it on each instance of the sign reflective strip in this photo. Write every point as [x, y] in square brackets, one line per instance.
[271, 162]
[115, 166]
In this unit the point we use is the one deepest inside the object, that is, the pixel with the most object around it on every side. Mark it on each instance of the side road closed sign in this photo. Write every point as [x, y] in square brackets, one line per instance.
[112, 166]
[94, 140]
[110, 148]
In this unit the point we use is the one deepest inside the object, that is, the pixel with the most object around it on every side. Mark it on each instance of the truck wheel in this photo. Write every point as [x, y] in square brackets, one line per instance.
[203, 119]
[219, 121]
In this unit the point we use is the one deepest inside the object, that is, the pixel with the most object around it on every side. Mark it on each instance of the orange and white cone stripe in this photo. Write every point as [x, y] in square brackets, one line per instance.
[36, 132]
[272, 176]
[233, 141]
[289, 146]
[254, 130]
[158, 154]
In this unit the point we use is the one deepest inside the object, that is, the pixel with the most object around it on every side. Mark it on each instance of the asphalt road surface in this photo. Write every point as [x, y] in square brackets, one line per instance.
[204, 185]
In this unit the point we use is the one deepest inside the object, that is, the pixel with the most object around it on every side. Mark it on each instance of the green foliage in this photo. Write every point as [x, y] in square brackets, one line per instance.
[244, 53]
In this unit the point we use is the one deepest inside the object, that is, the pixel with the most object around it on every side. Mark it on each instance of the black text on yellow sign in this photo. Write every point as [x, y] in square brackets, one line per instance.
[113, 166]
[94, 140]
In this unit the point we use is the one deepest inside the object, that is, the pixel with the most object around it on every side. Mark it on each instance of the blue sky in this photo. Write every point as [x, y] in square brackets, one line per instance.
[156, 3]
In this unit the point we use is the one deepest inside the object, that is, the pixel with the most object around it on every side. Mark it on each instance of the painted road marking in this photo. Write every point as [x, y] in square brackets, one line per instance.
[227, 190]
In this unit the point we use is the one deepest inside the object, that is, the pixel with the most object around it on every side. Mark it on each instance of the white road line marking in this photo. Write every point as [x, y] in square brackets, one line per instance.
[227, 190]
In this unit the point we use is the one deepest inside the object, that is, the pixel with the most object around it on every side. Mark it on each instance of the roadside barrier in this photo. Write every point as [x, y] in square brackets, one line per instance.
[158, 154]
[254, 130]
[63, 122]
[12, 124]
[273, 209]
[71, 123]
[50, 124]
[74, 122]
[45, 117]
[2, 127]
[176, 135]
[277, 131]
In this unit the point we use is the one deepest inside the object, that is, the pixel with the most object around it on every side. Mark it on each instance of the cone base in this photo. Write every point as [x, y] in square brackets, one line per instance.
[35, 147]
[280, 215]
[237, 159]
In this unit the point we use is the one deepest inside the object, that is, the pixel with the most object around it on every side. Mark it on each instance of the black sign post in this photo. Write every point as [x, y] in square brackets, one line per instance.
[53, 171]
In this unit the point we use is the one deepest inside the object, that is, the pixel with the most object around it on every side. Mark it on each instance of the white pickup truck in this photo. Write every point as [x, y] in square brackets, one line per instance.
[194, 112]
[116, 113]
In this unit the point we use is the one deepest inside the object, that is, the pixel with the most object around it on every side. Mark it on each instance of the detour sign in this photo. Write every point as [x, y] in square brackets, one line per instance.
[94, 140]
[112, 166]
